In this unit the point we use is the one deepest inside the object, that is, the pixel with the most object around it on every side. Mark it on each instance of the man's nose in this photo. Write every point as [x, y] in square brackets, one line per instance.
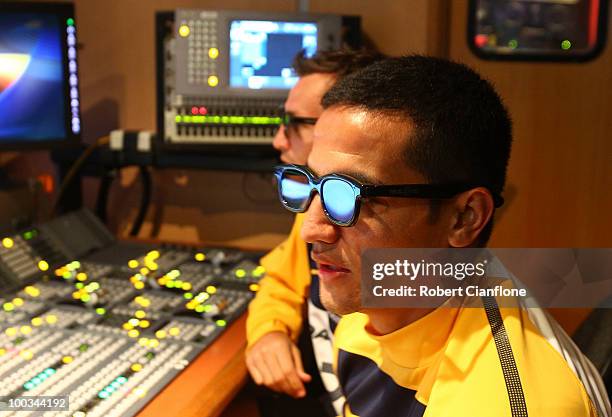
[280, 142]
[316, 226]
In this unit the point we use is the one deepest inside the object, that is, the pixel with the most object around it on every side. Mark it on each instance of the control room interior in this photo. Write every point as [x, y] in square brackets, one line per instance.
[557, 193]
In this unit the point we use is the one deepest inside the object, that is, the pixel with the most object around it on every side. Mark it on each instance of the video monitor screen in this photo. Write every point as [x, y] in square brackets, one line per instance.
[261, 52]
[38, 86]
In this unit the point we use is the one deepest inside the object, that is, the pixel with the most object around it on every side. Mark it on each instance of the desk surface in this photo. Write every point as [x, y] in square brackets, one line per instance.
[209, 383]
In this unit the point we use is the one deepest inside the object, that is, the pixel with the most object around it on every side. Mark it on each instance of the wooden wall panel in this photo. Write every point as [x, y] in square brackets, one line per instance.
[560, 173]
[396, 27]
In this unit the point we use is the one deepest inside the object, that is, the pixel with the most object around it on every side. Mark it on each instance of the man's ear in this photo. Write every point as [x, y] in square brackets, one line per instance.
[473, 210]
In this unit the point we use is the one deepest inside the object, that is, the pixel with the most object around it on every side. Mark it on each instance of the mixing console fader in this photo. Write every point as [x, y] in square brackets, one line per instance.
[107, 323]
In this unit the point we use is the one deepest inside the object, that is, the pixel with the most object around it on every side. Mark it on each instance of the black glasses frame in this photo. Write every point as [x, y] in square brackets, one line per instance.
[360, 190]
[289, 121]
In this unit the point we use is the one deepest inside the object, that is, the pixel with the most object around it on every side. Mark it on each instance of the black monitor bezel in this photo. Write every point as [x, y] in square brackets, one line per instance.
[536, 56]
[63, 11]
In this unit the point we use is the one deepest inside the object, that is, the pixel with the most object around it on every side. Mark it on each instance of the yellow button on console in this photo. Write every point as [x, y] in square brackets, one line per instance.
[213, 81]
[184, 31]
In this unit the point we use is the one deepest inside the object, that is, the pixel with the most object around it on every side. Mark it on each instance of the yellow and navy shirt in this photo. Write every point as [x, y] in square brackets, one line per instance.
[447, 364]
[431, 349]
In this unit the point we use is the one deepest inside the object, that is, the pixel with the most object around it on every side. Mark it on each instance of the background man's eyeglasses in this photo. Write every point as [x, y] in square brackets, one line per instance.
[341, 194]
[291, 122]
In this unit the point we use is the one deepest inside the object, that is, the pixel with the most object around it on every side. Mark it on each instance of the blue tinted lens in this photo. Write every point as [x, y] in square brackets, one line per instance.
[339, 200]
[295, 190]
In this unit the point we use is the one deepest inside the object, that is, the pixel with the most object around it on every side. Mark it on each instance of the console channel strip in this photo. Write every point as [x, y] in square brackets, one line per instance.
[107, 323]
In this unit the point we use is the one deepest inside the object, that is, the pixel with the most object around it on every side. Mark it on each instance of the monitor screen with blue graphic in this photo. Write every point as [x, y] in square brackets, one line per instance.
[39, 97]
[261, 52]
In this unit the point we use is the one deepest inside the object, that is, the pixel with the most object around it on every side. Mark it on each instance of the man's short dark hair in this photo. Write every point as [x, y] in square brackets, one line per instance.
[462, 131]
[339, 62]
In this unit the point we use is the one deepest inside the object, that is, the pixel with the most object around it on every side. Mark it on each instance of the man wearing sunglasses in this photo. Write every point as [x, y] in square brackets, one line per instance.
[412, 152]
[281, 318]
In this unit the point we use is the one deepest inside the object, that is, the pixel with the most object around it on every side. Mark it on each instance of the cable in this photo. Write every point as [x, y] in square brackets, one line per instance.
[102, 199]
[74, 169]
[145, 200]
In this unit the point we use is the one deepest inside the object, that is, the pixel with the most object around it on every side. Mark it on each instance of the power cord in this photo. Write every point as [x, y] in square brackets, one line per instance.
[74, 169]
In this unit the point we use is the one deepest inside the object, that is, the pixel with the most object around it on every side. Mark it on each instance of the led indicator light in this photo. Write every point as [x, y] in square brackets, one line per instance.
[259, 271]
[32, 291]
[481, 40]
[43, 265]
[184, 31]
[213, 80]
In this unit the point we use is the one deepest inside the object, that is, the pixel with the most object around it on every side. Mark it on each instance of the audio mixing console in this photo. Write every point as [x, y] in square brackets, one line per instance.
[109, 323]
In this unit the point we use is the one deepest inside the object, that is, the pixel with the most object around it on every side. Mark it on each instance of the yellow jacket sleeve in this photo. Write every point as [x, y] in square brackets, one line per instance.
[280, 302]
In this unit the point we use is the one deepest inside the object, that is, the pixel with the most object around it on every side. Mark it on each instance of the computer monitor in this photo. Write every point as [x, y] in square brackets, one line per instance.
[261, 52]
[39, 94]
